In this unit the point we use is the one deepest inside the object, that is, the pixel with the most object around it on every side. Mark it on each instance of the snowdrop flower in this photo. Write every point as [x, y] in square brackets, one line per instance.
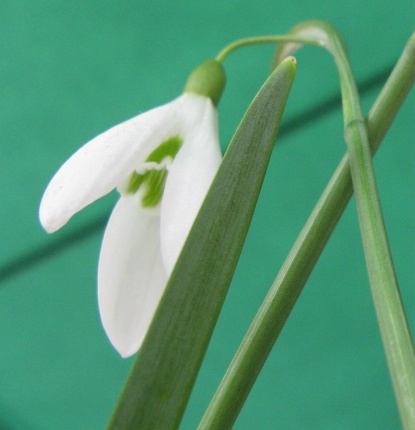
[162, 162]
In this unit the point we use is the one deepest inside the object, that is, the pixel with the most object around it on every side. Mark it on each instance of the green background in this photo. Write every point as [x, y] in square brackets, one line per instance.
[68, 71]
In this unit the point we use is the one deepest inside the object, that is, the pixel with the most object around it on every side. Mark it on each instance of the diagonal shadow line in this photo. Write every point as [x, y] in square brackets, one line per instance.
[41, 253]
[31, 258]
[333, 102]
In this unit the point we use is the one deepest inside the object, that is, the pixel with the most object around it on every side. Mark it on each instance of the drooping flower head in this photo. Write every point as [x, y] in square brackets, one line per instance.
[162, 162]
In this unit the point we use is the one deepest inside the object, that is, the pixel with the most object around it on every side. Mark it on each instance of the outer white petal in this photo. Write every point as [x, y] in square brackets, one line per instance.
[188, 181]
[101, 164]
[131, 274]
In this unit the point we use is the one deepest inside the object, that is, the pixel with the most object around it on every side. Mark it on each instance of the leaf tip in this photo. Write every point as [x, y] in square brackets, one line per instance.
[290, 64]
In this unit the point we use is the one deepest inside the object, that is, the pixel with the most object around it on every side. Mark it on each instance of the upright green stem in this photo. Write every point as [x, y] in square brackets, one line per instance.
[393, 325]
[268, 323]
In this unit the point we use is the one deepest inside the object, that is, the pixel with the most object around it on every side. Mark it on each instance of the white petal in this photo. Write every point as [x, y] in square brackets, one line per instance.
[131, 274]
[191, 112]
[101, 164]
[188, 181]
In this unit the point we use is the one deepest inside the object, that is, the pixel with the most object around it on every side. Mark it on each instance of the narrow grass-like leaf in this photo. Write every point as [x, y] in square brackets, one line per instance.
[163, 376]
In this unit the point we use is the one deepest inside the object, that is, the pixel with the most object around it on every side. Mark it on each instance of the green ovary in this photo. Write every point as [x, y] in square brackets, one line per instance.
[154, 180]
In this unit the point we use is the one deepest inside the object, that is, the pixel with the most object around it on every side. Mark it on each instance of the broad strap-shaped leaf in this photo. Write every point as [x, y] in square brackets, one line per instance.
[163, 376]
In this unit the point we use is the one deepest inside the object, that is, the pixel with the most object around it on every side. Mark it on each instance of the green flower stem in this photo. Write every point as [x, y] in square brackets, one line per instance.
[392, 320]
[261, 40]
[268, 323]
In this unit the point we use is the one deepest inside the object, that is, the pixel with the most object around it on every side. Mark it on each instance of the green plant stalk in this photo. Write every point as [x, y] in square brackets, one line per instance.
[271, 317]
[264, 40]
[392, 320]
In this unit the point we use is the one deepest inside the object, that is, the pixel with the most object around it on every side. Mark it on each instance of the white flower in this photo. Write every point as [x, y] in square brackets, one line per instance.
[163, 162]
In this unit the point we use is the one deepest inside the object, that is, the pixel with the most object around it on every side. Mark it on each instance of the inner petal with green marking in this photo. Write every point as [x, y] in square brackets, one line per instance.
[154, 180]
